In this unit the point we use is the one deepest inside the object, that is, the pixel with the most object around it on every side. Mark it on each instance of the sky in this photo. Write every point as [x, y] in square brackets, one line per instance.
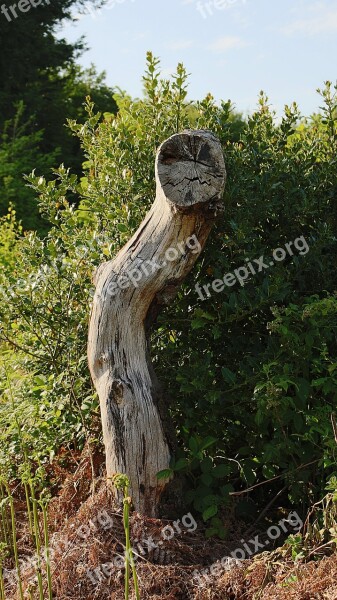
[231, 48]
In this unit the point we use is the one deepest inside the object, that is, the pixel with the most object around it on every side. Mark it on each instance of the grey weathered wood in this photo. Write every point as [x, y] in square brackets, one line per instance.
[138, 438]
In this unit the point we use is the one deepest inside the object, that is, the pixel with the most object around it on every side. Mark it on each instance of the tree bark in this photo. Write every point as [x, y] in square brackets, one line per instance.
[130, 291]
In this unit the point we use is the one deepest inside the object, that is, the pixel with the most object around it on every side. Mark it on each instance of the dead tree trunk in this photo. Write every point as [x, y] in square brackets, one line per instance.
[130, 290]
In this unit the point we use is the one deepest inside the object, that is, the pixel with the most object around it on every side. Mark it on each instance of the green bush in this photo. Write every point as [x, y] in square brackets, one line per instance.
[251, 369]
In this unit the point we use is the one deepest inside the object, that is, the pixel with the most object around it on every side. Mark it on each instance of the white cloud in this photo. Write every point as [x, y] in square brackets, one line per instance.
[228, 43]
[180, 44]
[324, 21]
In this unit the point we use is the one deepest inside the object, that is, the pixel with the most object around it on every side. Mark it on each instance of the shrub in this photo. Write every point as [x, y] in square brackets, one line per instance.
[252, 369]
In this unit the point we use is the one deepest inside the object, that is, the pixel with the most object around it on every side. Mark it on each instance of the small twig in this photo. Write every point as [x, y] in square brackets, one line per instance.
[272, 479]
[320, 548]
[265, 510]
[334, 425]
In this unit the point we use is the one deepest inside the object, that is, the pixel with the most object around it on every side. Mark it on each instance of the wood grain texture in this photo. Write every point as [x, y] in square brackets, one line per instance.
[130, 291]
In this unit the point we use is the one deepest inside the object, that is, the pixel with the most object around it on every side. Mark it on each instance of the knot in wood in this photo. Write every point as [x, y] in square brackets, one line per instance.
[117, 392]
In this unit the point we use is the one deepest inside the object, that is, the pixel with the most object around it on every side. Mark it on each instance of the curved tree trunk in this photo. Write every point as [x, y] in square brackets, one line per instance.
[130, 290]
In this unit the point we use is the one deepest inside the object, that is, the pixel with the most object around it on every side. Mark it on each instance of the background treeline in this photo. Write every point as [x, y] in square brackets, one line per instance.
[41, 86]
[252, 371]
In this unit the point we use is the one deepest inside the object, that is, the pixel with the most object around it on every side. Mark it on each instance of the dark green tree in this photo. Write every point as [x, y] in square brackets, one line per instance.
[41, 86]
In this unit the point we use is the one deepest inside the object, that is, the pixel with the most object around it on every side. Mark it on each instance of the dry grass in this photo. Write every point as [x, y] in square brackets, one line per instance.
[80, 544]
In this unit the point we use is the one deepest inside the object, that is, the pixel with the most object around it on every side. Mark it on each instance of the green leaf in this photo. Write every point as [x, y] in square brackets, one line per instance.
[181, 464]
[198, 324]
[206, 465]
[228, 375]
[226, 490]
[221, 471]
[206, 479]
[207, 442]
[210, 512]
[249, 474]
[211, 532]
[210, 499]
[193, 445]
[164, 474]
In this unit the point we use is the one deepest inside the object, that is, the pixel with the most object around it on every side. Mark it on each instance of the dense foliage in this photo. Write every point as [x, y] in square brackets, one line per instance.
[251, 370]
[28, 68]
[41, 86]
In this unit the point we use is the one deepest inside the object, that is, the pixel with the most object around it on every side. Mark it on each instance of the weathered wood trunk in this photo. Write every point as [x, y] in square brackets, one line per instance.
[130, 290]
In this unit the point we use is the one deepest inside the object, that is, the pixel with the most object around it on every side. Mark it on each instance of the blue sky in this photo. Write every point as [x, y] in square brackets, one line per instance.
[232, 48]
